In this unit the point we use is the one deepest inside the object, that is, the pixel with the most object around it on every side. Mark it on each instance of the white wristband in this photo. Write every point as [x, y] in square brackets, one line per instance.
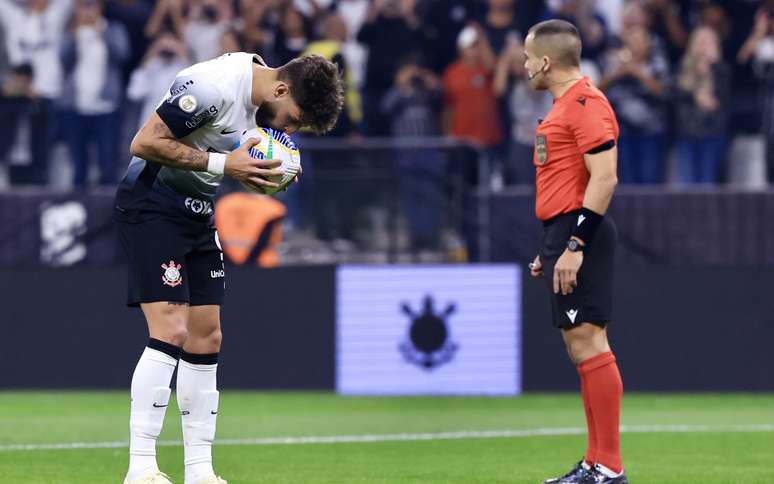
[216, 164]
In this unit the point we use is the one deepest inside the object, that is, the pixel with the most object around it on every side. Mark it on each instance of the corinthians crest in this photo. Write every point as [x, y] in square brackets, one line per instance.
[428, 344]
[172, 276]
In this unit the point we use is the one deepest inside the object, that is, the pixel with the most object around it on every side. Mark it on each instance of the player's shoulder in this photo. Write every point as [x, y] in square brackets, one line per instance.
[223, 70]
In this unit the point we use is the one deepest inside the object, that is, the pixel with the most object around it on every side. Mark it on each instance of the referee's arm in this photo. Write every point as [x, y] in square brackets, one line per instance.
[601, 163]
[603, 168]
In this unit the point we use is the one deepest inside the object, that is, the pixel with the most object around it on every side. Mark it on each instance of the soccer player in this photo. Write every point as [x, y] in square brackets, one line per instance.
[576, 157]
[164, 209]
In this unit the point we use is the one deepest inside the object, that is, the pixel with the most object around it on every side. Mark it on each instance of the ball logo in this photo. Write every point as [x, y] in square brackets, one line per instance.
[172, 276]
[428, 344]
[187, 103]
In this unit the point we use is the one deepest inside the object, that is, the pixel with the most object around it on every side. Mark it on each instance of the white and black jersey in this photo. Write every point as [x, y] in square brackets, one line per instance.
[207, 107]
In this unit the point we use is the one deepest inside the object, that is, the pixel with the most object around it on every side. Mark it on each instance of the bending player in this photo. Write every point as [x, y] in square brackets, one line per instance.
[164, 208]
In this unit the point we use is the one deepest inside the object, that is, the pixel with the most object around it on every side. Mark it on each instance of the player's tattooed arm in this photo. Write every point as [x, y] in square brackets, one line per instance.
[155, 142]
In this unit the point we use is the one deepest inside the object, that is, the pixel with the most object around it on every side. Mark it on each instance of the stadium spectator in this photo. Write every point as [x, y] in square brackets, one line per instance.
[333, 32]
[354, 13]
[500, 24]
[443, 21]
[759, 49]
[702, 112]
[200, 23]
[134, 15]
[634, 81]
[471, 78]
[21, 109]
[152, 79]
[206, 22]
[292, 37]
[526, 107]
[33, 36]
[668, 21]
[167, 16]
[391, 31]
[589, 22]
[636, 15]
[93, 55]
[230, 41]
[260, 21]
[412, 105]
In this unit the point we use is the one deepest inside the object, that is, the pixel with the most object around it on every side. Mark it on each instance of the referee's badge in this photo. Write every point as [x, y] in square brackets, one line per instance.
[541, 148]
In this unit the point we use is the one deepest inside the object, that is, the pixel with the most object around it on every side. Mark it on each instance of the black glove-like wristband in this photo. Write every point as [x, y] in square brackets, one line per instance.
[586, 226]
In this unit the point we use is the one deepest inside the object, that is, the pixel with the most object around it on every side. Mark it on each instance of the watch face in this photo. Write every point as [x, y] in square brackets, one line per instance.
[572, 244]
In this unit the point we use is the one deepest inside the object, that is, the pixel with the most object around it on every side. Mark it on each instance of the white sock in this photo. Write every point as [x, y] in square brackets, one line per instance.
[150, 397]
[607, 471]
[197, 398]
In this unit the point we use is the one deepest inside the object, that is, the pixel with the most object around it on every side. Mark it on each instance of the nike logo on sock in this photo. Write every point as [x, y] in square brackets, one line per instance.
[213, 412]
[156, 405]
[185, 412]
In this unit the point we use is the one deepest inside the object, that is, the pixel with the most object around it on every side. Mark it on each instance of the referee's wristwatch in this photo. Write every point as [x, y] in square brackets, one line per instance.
[574, 246]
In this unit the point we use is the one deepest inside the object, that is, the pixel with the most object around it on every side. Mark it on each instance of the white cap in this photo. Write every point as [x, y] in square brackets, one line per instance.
[467, 37]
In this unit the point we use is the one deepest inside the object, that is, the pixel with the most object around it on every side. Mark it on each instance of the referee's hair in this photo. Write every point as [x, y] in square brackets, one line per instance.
[558, 39]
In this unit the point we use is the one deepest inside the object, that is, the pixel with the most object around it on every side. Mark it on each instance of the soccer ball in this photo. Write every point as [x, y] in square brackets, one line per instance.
[274, 145]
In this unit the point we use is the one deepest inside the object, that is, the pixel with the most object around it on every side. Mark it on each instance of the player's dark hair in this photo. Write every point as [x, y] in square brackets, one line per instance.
[316, 86]
[570, 53]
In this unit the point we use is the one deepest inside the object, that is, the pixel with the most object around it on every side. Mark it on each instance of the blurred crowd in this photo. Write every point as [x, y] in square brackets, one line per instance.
[692, 81]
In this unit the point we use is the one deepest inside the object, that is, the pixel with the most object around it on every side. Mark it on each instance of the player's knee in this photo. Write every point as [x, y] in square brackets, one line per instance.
[174, 325]
[214, 339]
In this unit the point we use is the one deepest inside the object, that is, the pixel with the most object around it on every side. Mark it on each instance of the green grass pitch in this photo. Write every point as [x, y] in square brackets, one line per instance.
[667, 438]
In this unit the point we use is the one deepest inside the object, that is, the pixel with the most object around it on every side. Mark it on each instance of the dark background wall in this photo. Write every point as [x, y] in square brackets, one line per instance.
[687, 330]
[70, 328]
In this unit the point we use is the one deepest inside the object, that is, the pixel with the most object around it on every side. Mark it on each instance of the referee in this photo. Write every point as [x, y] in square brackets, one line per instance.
[575, 158]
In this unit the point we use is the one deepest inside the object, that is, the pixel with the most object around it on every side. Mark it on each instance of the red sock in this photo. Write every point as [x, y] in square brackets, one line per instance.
[604, 391]
[591, 448]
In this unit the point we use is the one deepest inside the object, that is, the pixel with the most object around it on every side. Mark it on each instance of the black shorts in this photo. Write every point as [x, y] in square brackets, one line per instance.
[171, 259]
[592, 299]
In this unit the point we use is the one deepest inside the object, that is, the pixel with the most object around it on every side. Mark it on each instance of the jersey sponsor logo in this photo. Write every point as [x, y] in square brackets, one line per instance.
[188, 103]
[217, 274]
[199, 207]
[175, 92]
[572, 314]
[541, 148]
[172, 276]
[202, 115]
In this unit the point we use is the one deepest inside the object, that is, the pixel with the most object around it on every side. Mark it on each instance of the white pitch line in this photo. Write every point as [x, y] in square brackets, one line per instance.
[345, 439]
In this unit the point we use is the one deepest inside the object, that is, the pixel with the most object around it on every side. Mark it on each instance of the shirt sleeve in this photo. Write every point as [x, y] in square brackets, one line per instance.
[592, 123]
[192, 102]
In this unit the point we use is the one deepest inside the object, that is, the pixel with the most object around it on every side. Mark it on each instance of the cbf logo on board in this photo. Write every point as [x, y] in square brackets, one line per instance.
[428, 344]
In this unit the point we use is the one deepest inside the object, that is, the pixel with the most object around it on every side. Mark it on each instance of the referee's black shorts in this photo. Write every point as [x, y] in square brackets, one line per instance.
[592, 299]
